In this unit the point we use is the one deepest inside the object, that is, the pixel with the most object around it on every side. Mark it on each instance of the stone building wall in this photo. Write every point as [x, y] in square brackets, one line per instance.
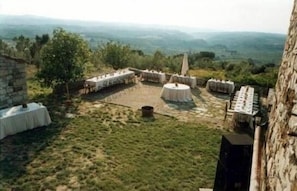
[13, 87]
[279, 159]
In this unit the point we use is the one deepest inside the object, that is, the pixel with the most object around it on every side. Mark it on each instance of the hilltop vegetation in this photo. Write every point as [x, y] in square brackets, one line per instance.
[244, 57]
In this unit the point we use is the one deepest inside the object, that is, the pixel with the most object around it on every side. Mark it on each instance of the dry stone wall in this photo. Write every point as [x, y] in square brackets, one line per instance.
[13, 88]
[280, 156]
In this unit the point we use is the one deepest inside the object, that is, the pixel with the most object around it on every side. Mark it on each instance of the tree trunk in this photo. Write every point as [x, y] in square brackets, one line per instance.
[67, 91]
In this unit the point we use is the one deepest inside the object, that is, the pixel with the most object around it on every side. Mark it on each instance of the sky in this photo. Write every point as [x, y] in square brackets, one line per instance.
[227, 15]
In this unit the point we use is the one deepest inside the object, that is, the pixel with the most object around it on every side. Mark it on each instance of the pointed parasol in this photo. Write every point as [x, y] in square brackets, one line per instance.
[185, 66]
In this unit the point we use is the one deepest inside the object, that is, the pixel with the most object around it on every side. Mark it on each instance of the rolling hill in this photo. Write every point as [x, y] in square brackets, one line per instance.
[261, 47]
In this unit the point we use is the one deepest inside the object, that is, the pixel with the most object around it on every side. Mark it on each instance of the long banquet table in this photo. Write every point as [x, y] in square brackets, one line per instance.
[153, 76]
[245, 99]
[243, 110]
[107, 80]
[180, 93]
[188, 80]
[17, 119]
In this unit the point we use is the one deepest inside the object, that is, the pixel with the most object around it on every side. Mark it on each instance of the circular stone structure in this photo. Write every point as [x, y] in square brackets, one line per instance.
[147, 111]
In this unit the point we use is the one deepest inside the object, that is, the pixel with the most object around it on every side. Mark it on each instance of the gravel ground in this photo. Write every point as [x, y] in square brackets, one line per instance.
[207, 108]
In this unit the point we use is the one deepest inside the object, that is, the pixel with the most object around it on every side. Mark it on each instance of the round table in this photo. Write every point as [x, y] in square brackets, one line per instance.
[181, 92]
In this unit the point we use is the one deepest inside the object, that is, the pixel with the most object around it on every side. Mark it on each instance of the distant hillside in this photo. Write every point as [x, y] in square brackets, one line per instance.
[261, 47]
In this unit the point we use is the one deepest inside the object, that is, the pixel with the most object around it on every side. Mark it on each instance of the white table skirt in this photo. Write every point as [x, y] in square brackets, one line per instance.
[153, 76]
[109, 80]
[188, 80]
[244, 102]
[181, 93]
[16, 119]
[220, 86]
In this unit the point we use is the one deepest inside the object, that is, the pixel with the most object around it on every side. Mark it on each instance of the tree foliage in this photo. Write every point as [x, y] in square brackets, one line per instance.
[158, 61]
[140, 61]
[6, 49]
[115, 55]
[36, 46]
[22, 45]
[258, 69]
[63, 59]
[173, 63]
[198, 56]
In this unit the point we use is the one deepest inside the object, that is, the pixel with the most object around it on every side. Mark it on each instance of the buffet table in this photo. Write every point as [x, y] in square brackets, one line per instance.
[220, 86]
[153, 76]
[17, 119]
[107, 80]
[188, 80]
[179, 92]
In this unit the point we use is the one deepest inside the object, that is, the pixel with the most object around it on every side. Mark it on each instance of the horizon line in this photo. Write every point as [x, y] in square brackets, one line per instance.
[148, 25]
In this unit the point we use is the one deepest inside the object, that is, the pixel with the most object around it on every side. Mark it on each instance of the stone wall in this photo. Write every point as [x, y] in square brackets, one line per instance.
[13, 88]
[279, 159]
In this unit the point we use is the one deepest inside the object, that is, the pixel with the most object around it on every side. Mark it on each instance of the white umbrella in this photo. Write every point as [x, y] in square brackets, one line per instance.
[185, 66]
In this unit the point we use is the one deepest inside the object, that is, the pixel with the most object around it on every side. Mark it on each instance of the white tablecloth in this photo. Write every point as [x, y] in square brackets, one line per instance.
[181, 93]
[16, 119]
[153, 76]
[244, 102]
[110, 79]
[220, 86]
[188, 80]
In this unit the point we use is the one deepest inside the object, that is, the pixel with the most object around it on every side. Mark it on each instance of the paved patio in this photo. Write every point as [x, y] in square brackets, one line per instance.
[207, 108]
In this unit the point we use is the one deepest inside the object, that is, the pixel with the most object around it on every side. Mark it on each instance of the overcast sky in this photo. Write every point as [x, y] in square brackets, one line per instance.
[228, 15]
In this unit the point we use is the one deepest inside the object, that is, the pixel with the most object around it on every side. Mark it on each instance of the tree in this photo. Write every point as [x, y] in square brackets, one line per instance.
[22, 45]
[138, 52]
[205, 54]
[115, 54]
[6, 49]
[63, 59]
[173, 63]
[36, 46]
[258, 69]
[158, 61]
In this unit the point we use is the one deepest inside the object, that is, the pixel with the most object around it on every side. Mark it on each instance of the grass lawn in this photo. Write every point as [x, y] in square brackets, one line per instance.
[110, 148]
[107, 147]
[206, 73]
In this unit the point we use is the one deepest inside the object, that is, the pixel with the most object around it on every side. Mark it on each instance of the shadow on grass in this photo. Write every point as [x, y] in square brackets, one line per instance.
[185, 106]
[222, 96]
[18, 150]
[196, 92]
[152, 84]
[147, 119]
[107, 92]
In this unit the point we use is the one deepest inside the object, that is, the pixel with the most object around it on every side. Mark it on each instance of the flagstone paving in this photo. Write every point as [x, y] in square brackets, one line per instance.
[207, 108]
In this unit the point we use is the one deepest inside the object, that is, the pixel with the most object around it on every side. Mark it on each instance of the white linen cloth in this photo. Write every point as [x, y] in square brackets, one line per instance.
[110, 79]
[220, 86]
[245, 99]
[181, 92]
[153, 76]
[188, 80]
[17, 119]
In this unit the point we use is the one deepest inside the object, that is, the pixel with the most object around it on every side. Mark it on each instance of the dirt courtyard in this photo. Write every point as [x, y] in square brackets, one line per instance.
[205, 108]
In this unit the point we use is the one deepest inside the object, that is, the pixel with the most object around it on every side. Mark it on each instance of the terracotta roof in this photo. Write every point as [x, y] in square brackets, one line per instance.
[19, 60]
